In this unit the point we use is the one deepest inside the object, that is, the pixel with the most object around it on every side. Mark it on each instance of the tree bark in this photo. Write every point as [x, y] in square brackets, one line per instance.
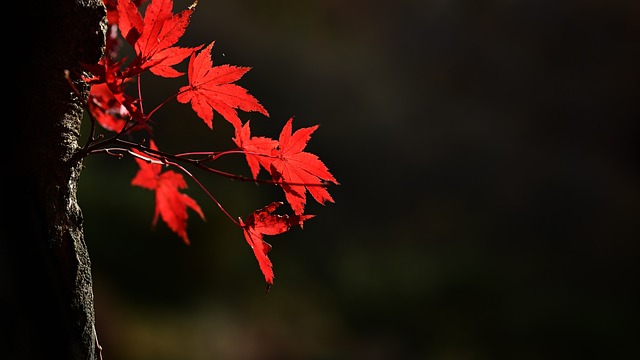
[46, 296]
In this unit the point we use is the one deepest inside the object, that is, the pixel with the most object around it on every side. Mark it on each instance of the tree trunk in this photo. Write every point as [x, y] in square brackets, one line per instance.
[46, 296]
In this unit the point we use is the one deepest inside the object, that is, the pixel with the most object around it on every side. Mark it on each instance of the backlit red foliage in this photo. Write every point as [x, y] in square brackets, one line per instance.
[153, 29]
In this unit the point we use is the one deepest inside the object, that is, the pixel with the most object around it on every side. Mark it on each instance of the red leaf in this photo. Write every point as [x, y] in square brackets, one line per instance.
[257, 149]
[171, 204]
[106, 109]
[298, 171]
[130, 21]
[112, 9]
[210, 88]
[154, 35]
[112, 108]
[263, 222]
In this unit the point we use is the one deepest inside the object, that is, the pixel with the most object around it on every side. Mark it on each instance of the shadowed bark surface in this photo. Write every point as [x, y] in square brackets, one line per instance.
[45, 272]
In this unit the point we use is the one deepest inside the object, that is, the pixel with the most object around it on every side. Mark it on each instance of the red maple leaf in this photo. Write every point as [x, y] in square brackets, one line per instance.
[299, 171]
[112, 9]
[110, 113]
[154, 35]
[264, 222]
[111, 107]
[257, 149]
[171, 204]
[210, 88]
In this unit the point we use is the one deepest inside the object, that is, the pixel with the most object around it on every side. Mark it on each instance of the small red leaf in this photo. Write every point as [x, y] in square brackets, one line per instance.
[171, 204]
[257, 149]
[153, 36]
[106, 109]
[264, 222]
[210, 88]
[299, 171]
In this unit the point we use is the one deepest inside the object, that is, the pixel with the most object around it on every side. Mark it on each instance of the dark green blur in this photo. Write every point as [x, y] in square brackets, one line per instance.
[489, 201]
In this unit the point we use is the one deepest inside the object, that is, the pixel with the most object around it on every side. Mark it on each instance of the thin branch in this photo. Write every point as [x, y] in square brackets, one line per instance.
[198, 163]
[206, 191]
[162, 104]
[163, 161]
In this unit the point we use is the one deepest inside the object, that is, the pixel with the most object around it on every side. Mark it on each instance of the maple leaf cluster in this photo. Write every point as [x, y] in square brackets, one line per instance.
[152, 29]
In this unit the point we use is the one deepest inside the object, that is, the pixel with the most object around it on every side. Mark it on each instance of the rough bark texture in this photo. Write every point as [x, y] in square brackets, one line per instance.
[46, 296]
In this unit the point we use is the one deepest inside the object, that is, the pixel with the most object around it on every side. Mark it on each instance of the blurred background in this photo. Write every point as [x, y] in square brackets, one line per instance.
[488, 155]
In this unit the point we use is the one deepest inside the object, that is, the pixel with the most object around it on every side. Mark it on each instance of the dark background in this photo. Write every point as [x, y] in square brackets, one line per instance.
[488, 209]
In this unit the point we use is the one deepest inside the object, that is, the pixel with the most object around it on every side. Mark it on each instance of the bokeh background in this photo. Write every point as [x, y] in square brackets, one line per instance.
[489, 201]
